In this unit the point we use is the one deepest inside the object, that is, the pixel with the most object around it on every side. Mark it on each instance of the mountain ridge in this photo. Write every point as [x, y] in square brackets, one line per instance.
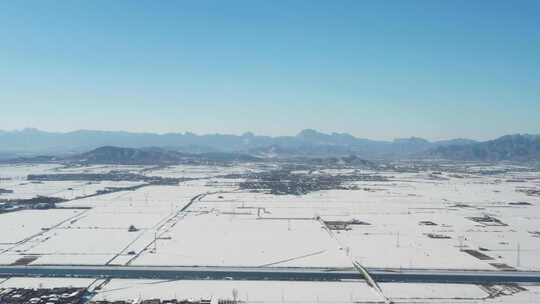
[307, 143]
[37, 141]
[516, 147]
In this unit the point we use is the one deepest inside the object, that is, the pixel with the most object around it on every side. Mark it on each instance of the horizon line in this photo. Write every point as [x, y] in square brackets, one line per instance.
[252, 133]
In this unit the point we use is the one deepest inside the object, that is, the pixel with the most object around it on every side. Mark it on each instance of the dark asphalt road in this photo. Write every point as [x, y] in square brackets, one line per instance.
[272, 273]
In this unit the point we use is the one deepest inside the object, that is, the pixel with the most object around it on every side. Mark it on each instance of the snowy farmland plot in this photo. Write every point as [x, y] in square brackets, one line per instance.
[14, 182]
[248, 292]
[21, 225]
[203, 171]
[21, 171]
[62, 189]
[214, 239]
[308, 292]
[459, 217]
[44, 283]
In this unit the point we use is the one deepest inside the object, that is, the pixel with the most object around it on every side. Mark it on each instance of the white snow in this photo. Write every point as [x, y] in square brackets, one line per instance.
[233, 227]
[249, 291]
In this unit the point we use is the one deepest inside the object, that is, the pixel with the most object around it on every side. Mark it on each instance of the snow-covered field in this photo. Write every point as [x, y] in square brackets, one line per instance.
[216, 239]
[411, 220]
[308, 292]
[201, 171]
[20, 171]
[14, 178]
[250, 292]
[283, 292]
[17, 226]
[396, 212]
[61, 189]
[45, 283]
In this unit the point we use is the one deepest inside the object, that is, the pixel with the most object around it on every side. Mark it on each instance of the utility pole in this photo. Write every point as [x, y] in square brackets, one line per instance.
[155, 241]
[518, 255]
[397, 240]
[235, 295]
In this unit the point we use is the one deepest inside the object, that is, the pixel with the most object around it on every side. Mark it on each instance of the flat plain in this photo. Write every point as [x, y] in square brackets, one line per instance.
[410, 215]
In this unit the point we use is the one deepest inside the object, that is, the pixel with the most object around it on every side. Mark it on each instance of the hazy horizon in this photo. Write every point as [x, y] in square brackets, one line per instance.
[260, 134]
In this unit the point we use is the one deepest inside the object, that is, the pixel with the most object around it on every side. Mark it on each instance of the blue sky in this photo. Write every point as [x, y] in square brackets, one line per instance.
[375, 69]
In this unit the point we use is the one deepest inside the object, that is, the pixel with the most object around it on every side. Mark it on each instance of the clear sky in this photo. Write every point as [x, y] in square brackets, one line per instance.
[375, 69]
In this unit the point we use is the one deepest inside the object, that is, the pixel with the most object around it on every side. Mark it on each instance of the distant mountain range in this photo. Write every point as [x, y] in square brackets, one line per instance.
[509, 147]
[307, 143]
[136, 156]
[118, 155]
[142, 156]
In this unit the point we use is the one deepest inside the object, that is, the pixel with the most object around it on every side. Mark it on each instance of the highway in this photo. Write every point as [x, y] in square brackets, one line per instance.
[272, 273]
